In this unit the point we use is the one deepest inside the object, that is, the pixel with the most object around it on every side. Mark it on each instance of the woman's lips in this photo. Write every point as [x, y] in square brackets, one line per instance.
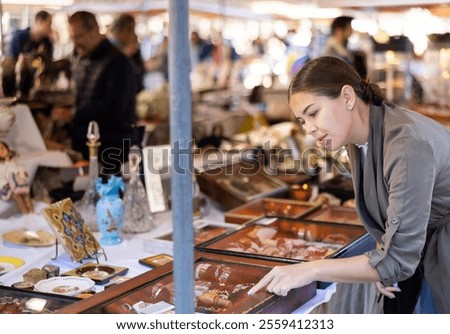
[321, 140]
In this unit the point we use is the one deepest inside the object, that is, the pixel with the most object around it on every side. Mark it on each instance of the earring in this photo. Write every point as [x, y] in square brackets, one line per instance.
[350, 108]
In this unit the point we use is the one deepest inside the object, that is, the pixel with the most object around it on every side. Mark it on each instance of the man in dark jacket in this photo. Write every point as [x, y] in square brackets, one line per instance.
[104, 92]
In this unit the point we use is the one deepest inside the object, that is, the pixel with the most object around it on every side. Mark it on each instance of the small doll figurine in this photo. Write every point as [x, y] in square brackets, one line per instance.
[13, 180]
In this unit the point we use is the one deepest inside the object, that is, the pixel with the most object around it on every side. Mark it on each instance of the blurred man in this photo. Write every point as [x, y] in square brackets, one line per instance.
[341, 30]
[336, 46]
[123, 36]
[104, 92]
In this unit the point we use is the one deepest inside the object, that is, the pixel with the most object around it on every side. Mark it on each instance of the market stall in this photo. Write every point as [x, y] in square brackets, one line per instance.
[287, 211]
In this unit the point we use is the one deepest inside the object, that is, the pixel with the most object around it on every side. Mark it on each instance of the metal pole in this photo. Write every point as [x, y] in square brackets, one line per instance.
[2, 43]
[181, 136]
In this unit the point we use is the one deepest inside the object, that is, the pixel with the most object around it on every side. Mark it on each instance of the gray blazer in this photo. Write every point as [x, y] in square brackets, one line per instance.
[403, 197]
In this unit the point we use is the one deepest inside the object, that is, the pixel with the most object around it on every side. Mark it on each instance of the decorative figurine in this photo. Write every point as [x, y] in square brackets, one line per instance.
[138, 218]
[110, 210]
[87, 204]
[13, 180]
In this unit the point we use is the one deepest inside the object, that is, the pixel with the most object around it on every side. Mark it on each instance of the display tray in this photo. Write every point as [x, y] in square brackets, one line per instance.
[285, 208]
[204, 231]
[335, 214]
[18, 301]
[239, 183]
[221, 285]
[287, 240]
[99, 273]
[269, 207]
[245, 213]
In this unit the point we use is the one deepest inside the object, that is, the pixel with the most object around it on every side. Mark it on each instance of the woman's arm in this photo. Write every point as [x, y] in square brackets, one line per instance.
[346, 270]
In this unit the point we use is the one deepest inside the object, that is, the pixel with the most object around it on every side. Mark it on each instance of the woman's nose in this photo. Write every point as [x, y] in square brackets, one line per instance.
[310, 128]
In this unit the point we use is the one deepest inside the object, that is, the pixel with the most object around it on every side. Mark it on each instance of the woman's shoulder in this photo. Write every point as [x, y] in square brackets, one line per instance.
[400, 122]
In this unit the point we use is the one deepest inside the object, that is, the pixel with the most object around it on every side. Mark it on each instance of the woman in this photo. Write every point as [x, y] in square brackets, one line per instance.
[401, 174]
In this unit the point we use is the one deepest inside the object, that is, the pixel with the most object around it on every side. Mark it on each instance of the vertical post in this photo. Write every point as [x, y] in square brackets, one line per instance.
[181, 136]
[2, 43]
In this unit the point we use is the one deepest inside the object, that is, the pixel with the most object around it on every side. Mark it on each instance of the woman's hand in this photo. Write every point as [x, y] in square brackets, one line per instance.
[282, 279]
[387, 291]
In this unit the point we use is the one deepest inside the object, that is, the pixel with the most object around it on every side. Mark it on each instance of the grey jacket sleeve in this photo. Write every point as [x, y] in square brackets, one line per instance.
[409, 173]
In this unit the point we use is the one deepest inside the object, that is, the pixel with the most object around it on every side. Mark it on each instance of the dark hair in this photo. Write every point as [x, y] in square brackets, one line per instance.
[86, 19]
[325, 76]
[123, 22]
[341, 22]
[42, 15]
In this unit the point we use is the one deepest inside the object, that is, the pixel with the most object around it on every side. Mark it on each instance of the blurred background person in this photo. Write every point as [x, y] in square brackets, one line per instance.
[159, 62]
[337, 45]
[201, 49]
[26, 43]
[104, 92]
[122, 34]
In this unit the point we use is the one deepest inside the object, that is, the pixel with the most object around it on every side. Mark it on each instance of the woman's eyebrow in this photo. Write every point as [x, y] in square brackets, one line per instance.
[307, 107]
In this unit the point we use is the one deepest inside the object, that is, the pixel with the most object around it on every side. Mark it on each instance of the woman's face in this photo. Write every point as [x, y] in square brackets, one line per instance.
[328, 120]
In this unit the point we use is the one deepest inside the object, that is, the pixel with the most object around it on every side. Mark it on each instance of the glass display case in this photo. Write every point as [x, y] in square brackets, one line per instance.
[239, 183]
[221, 283]
[21, 301]
[291, 241]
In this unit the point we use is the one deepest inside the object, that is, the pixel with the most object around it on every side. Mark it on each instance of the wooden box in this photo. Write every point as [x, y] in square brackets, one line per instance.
[269, 207]
[221, 285]
[204, 231]
[239, 183]
[335, 214]
[289, 241]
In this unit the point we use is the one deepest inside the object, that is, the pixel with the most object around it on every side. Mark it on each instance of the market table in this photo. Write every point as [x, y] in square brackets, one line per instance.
[126, 254]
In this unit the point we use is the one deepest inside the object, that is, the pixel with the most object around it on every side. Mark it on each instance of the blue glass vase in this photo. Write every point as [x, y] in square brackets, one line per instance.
[110, 210]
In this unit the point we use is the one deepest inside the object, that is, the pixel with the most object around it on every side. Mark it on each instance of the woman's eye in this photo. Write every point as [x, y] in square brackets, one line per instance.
[313, 114]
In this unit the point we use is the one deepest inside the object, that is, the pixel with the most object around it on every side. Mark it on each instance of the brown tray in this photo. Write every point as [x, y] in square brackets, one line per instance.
[234, 185]
[286, 208]
[221, 280]
[203, 233]
[100, 273]
[269, 207]
[335, 214]
[246, 212]
[288, 240]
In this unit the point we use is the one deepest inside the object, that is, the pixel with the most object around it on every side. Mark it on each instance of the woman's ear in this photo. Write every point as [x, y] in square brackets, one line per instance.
[348, 93]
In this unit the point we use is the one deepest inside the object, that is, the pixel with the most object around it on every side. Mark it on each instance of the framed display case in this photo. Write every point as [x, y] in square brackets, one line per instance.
[20, 301]
[335, 214]
[290, 241]
[245, 213]
[269, 207]
[239, 183]
[204, 231]
[221, 285]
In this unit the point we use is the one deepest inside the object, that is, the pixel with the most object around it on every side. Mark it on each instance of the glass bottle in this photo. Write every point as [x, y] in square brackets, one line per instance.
[87, 205]
[138, 218]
